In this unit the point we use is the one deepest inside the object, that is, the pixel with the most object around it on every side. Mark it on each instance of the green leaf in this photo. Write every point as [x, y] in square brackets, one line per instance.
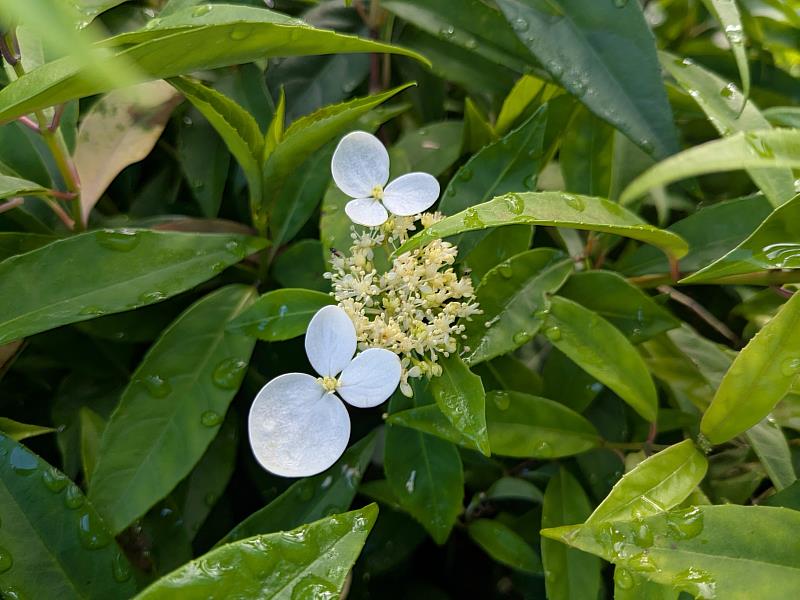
[119, 130]
[727, 13]
[311, 561]
[46, 288]
[762, 149]
[729, 112]
[508, 164]
[587, 154]
[551, 208]
[771, 246]
[180, 44]
[770, 445]
[630, 586]
[459, 395]
[301, 265]
[510, 374]
[476, 27]
[710, 232]
[424, 473]
[234, 124]
[504, 545]
[603, 351]
[478, 131]
[525, 91]
[512, 488]
[311, 498]
[591, 50]
[280, 314]
[569, 574]
[760, 376]
[92, 426]
[14, 186]
[172, 408]
[19, 431]
[531, 427]
[53, 541]
[732, 552]
[196, 495]
[656, 484]
[12, 243]
[624, 305]
[308, 134]
[510, 296]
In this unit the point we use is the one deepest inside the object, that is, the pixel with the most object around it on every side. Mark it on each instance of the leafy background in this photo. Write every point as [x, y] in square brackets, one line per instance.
[620, 178]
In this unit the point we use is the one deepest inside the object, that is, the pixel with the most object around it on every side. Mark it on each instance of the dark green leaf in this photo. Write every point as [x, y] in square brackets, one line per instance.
[504, 545]
[301, 265]
[47, 288]
[172, 408]
[460, 396]
[53, 541]
[591, 50]
[569, 574]
[14, 186]
[773, 451]
[19, 431]
[280, 314]
[510, 296]
[625, 306]
[311, 498]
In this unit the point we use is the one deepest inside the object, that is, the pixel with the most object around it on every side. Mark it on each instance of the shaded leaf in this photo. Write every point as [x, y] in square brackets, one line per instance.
[14, 186]
[280, 314]
[19, 431]
[504, 545]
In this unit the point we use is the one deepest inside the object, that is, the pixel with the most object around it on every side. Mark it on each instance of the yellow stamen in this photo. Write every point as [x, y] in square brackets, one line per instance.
[328, 383]
[377, 192]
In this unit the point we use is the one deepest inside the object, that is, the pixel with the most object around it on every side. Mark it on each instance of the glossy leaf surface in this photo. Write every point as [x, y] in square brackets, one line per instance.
[131, 268]
[280, 314]
[172, 408]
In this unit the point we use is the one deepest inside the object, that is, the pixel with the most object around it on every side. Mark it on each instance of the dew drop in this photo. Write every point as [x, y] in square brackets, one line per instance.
[153, 23]
[92, 533]
[6, 560]
[210, 418]
[470, 43]
[623, 579]
[156, 386]
[240, 32]
[642, 535]
[236, 248]
[92, 310]
[521, 337]
[553, 333]
[728, 91]
[578, 88]
[472, 220]
[697, 582]
[642, 562]
[502, 400]
[54, 480]
[790, 366]
[555, 68]
[202, 10]
[734, 34]
[119, 240]
[73, 498]
[543, 449]
[505, 270]
[515, 203]
[22, 461]
[465, 174]
[120, 568]
[152, 297]
[447, 31]
[759, 146]
[685, 524]
[520, 24]
[647, 145]
[620, 3]
[541, 314]
[574, 202]
[229, 373]
[530, 182]
[312, 587]
[410, 481]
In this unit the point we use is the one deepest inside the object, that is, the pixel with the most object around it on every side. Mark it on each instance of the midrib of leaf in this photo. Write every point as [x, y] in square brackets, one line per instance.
[429, 470]
[113, 287]
[218, 337]
[660, 483]
[55, 557]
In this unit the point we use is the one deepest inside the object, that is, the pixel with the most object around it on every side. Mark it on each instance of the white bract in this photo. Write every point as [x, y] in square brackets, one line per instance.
[298, 425]
[360, 168]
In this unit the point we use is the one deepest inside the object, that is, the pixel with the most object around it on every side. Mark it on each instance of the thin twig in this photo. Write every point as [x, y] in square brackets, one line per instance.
[29, 123]
[13, 203]
[60, 213]
[701, 312]
[783, 292]
[56, 122]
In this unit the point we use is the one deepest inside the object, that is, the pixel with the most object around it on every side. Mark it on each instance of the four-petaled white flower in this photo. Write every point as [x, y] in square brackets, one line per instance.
[360, 168]
[298, 426]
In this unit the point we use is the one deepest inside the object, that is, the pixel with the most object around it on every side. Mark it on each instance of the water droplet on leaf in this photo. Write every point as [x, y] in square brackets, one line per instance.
[156, 386]
[210, 418]
[685, 524]
[575, 202]
[22, 461]
[119, 240]
[73, 498]
[120, 568]
[92, 533]
[6, 560]
[229, 373]
[54, 480]
[502, 400]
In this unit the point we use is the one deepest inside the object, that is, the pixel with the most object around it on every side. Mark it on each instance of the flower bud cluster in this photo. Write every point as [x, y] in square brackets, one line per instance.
[416, 308]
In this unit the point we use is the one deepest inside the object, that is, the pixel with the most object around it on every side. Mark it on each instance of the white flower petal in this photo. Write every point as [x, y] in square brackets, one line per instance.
[366, 211]
[371, 378]
[330, 341]
[411, 193]
[359, 163]
[295, 428]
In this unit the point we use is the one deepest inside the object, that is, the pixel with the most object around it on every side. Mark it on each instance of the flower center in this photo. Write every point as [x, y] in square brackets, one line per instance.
[377, 192]
[329, 384]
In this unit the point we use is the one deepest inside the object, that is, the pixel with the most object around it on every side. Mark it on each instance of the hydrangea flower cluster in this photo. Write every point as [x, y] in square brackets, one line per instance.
[402, 320]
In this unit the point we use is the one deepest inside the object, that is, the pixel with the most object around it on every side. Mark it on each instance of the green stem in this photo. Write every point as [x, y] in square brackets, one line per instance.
[54, 140]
